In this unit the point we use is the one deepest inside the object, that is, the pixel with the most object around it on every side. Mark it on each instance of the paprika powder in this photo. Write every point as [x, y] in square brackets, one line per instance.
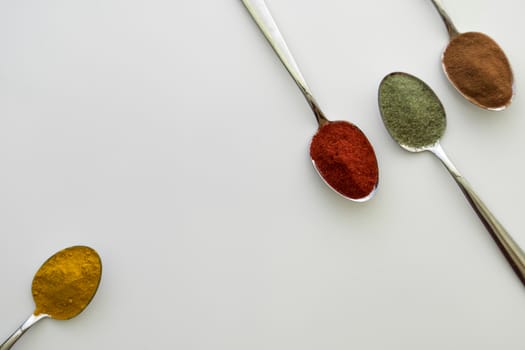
[345, 159]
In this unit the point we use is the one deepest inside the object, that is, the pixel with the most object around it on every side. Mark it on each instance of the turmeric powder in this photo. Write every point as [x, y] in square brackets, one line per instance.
[66, 282]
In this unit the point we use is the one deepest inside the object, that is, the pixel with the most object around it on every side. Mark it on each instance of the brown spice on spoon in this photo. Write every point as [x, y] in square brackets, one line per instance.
[479, 69]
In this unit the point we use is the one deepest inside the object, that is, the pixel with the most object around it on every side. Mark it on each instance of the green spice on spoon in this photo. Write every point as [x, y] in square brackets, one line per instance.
[416, 120]
[411, 112]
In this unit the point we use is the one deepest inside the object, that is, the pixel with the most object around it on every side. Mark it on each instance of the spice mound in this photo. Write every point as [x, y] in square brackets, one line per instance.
[66, 282]
[345, 159]
[411, 112]
[479, 69]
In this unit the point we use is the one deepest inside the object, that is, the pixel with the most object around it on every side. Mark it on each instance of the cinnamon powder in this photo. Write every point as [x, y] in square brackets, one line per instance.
[479, 69]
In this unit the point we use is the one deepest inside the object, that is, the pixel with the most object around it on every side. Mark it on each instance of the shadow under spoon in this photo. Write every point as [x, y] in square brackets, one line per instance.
[356, 177]
[477, 66]
[62, 287]
[416, 120]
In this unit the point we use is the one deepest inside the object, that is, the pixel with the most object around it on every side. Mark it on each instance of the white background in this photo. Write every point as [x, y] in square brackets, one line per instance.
[167, 135]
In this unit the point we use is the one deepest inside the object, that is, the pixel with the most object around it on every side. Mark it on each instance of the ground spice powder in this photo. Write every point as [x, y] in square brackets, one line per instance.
[66, 282]
[479, 69]
[411, 112]
[345, 159]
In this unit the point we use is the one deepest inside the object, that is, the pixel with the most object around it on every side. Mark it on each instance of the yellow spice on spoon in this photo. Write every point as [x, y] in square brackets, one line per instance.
[62, 287]
[66, 282]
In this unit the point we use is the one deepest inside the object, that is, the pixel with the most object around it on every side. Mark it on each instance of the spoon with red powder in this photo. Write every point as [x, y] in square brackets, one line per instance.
[340, 151]
[477, 67]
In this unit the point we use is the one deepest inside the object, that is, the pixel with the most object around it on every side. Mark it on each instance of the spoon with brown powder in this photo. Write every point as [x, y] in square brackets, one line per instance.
[340, 151]
[62, 287]
[477, 67]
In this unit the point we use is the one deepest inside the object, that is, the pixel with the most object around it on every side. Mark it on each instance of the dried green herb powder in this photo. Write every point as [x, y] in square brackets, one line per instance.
[411, 112]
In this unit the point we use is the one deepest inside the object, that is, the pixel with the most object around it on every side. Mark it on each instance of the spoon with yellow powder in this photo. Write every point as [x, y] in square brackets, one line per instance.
[62, 287]
[477, 67]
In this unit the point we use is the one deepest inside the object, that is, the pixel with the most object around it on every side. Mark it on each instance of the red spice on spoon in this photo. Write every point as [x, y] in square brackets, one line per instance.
[340, 151]
[345, 159]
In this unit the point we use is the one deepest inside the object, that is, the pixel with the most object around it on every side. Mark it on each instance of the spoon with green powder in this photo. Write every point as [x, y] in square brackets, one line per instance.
[62, 287]
[477, 67]
[415, 118]
[340, 151]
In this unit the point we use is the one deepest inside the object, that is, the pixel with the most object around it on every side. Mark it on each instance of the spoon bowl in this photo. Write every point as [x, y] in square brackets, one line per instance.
[415, 118]
[477, 67]
[340, 152]
[335, 145]
[62, 287]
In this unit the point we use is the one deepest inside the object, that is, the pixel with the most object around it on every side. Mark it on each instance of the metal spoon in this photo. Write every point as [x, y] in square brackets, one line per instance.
[264, 20]
[401, 119]
[51, 268]
[500, 86]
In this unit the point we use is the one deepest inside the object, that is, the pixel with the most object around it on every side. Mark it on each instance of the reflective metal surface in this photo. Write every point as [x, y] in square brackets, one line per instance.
[451, 28]
[510, 249]
[264, 20]
[21, 330]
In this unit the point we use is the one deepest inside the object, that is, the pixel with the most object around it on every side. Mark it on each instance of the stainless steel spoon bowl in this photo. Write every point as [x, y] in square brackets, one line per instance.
[405, 122]
[61, 267]
[264, 20]
[489, 88]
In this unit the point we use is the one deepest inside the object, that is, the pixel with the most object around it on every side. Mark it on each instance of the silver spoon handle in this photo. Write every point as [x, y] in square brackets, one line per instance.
[21, 330]
[451, 28]
[264, 20]
[510, 249]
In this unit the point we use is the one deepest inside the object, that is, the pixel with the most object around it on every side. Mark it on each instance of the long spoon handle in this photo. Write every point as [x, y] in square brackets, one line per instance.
[20, 331]
[264, 20]
[510, 249]
[451, 28]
